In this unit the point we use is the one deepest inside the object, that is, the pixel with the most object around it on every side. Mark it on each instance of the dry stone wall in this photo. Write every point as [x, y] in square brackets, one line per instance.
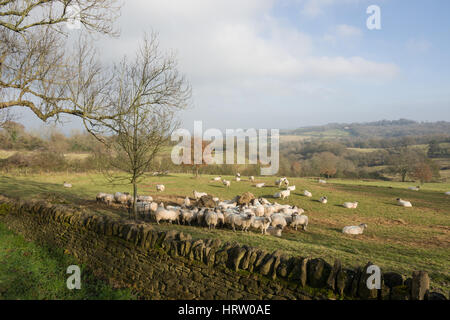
[172, 265]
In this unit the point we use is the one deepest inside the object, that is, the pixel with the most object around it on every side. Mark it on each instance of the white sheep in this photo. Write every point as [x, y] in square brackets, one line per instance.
[322, 181]
[163, 214]
[259, 211]
[242, 221]
[100, 196]
[211, 219]
[323, 200]
[198, 195]
[106, 198]
[160, 188]
[291, 188]
[238, 175]
[285, 194]
[226, 183]
[278, 220]
[153, 207]
[122, 198]
[260, 185]
[282, 194]
[308, 194]
[290, 211]
[263, 201]
[354, 229]
[414, 188]
[187, 202]
[299, 220]
[350, 205]
[144, 199]
[220, 217]
[269, 210]
[274, 231]
[67, 185]
[224, 205]
[238, 179]
[217, 179]
[404, 203]
[252, 178]
[261, 223]
[200, 217]
[187, 216]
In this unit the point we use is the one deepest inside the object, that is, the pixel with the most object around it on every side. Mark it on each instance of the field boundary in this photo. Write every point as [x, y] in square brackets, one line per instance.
[171, 265]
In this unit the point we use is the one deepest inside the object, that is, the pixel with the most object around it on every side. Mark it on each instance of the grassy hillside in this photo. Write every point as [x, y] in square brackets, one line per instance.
[29, 271]
[398, 239]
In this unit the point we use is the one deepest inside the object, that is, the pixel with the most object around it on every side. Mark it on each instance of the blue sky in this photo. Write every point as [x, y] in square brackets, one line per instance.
[292, 63]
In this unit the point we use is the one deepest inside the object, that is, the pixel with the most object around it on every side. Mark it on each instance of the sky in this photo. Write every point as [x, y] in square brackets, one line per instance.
[292, 63]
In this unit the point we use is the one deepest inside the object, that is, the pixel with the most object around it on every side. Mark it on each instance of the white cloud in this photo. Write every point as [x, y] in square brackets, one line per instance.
[345, 30]
[238, 56]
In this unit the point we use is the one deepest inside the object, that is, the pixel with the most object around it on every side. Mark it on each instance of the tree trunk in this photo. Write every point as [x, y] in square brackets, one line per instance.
[135, 200]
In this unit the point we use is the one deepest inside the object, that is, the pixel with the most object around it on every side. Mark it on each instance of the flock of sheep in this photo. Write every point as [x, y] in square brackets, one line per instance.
[258, 214]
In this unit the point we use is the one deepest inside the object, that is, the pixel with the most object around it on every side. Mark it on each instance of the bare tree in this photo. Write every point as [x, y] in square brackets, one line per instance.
[36, 69]
[146, 95]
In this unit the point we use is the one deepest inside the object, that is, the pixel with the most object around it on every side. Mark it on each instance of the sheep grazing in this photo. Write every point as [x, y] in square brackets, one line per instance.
[278, 219]
[404, 203]
[198, 195]
[100, 196]
[122, 198]
[283, 194]
[261, 223]
[274, 231]
[163, 214]
[160, 188]
[226, 183]
[237, 220]
[322, 181]
[323, 200]
[414, 188]
[238, 179]
[354, 229]
[260, 185]
[144, 199]
[291, 188]
[259, 211]
[220, 217]
[211, 219]
[299, 220]
[187, 202]
[217, 179]
[186, 216]
[308, 194]
[263, 201]
[350, 205]
[153, 206]
[252, 178]
[67, 185]
[105, 198]
[200, 217]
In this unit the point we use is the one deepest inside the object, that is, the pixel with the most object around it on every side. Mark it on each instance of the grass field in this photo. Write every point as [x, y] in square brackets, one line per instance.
[29, 271]
[397, 239]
